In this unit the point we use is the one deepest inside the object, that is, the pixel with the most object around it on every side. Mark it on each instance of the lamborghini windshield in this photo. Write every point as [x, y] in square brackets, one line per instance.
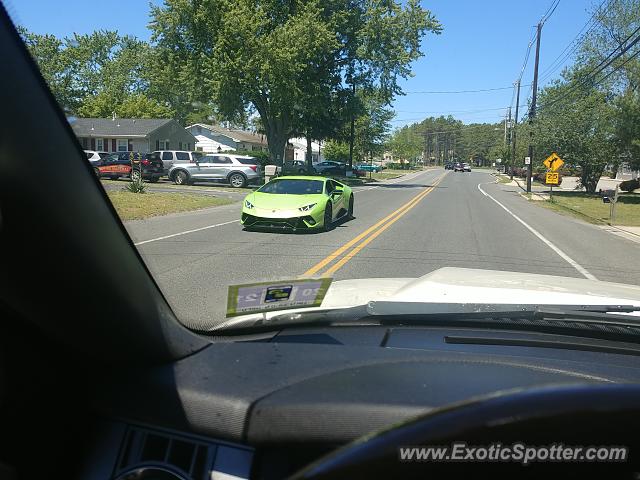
[293, 187]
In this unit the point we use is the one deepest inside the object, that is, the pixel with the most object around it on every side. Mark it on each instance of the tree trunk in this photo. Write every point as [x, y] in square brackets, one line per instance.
[590, 176]
[309, 154]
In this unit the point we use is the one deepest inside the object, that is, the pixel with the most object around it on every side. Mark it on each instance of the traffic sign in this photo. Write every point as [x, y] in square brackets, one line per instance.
[552, 178]
[553, 162]
[527, 160]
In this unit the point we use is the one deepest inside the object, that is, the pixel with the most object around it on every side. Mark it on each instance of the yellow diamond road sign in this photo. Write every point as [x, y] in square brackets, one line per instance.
[553, 162]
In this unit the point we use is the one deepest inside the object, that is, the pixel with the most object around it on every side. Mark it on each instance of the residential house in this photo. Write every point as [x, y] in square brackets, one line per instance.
[132, 134]
[297, 150]
[213, 139]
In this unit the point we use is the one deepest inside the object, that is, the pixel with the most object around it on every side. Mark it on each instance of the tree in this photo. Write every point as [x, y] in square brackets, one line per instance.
[583, 133]
[336, 150]
[288, 60]
[133, 106]
[96, 73]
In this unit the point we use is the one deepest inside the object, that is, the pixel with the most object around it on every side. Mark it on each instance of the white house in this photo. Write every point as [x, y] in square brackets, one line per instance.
[213, 139]
[297, 150]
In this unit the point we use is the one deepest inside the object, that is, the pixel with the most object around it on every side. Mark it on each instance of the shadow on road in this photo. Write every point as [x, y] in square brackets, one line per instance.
[340, 223]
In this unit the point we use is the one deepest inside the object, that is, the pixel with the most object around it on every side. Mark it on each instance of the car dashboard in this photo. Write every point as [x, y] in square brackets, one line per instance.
[265, 406]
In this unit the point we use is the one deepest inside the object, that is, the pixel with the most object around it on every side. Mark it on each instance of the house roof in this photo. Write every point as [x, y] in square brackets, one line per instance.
[131, 127]
[236, 135]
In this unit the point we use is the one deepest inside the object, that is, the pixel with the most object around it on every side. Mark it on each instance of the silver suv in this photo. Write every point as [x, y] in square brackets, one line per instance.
[171, 157]
[237, 170]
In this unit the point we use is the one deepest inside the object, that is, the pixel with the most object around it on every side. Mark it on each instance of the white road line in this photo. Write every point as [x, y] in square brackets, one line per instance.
[564, 256]
[186, 232]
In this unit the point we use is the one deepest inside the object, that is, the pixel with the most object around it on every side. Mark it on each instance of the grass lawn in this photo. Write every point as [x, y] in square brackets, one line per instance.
[503, 179]
[592, 209]
[199, 186]
[135, 206]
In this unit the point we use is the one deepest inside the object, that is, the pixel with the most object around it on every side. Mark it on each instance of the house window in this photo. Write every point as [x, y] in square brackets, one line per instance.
[99, 145]
[162, 145]
[188, 145]
[123, 145]
[84, 142]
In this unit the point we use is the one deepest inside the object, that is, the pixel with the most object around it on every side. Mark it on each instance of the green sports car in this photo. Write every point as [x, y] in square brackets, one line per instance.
[297, 203]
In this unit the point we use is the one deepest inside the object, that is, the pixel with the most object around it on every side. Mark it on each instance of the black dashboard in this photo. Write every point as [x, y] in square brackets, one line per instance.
[265, 407]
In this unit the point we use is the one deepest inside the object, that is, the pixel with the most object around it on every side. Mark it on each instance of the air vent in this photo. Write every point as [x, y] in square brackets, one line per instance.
[183, 455]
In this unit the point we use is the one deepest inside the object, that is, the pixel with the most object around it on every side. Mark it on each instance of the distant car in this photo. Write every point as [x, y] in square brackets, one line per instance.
[295, 166]
[448, 166]
[458, 167]
[171, 157]
[134, 165]
[95, 156]
[369, 167]
[330, 167]
[237, 170]
[466, 167]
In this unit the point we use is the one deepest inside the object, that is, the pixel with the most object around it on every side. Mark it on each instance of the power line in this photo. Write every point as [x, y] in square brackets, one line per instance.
[591, 76]
[453, 111]
[459, 91]
[550, 11]
[573, 45]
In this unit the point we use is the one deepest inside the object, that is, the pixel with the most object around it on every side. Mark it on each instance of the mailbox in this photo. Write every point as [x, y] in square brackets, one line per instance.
[608, 196]
[270, 171]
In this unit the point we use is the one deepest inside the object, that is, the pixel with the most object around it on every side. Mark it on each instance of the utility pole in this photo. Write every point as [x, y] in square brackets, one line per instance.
[352, 127]
[513, 132]
[508, 142]
[532, 113]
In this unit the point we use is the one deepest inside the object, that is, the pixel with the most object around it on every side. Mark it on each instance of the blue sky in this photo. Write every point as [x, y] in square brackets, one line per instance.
[482, 46]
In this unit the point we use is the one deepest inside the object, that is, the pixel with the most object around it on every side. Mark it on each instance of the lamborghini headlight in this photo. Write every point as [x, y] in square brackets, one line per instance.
[248, 204]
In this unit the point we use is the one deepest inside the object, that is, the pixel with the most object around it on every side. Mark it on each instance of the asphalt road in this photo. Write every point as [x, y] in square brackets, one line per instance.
[404, 228]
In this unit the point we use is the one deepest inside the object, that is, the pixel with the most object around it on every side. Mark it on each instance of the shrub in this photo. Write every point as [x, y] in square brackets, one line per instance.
[136, 186]
[630, 185]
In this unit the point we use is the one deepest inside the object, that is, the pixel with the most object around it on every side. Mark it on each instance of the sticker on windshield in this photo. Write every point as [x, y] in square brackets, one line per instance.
[270, 296]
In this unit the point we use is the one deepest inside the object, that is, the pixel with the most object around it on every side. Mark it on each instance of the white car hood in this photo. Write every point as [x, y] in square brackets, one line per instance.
[465, 285]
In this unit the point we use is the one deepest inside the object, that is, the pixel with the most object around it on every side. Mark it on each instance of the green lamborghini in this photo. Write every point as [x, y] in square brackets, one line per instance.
[297, 203]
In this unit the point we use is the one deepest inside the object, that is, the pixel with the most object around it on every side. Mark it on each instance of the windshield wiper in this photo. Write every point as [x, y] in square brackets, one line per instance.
[415, 313]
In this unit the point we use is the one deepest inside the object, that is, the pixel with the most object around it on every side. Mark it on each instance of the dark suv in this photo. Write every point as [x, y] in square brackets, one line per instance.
[130, 164]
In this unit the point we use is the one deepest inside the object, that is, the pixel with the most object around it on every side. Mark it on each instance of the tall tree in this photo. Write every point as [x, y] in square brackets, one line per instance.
[274, 56]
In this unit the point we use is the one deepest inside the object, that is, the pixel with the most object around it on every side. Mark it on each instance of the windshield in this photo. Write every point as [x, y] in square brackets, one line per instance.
[461, 155]
[293, 187]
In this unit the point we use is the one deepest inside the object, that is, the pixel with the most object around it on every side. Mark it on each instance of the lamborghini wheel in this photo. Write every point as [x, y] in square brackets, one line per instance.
[350, 210]
[328, 218]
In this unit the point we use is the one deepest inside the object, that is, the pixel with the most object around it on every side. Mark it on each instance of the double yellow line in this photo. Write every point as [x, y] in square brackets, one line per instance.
[366, 237]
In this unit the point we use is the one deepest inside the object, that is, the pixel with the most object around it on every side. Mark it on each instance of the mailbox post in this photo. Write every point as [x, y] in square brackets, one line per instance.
[611, 197]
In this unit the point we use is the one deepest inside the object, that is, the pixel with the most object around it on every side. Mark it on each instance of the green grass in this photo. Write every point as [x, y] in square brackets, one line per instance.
[503, 179]
[592, 209]
[200, 186]
[136, 206]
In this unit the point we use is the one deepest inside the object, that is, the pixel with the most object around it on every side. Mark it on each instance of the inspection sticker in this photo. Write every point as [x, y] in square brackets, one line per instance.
[269, 296]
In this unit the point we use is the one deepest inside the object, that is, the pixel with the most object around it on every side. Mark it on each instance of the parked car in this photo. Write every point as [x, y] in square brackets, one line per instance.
[366, 167]
[130, 164]
[237, 170]
[329, 166]
[94, 156]
[171, 157]
[295, 166]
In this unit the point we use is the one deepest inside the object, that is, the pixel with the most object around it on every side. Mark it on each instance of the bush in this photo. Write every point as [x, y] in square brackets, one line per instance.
[136, 186]
[630, 185]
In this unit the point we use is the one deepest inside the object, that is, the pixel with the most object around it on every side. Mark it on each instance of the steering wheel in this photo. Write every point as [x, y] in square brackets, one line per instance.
[567, 416]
